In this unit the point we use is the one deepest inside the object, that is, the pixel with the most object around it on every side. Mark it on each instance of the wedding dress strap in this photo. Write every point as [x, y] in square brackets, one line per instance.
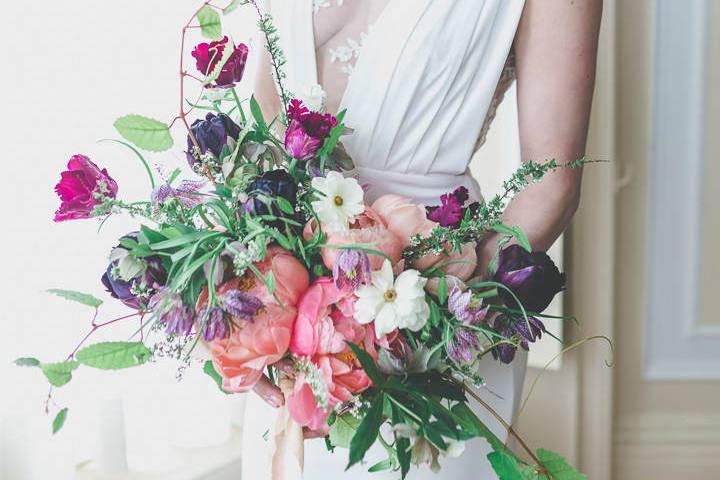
[423, 187]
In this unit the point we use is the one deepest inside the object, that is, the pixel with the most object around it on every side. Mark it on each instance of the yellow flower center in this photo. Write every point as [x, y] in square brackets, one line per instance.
[390, 295]
[346, 357]
[338, 200]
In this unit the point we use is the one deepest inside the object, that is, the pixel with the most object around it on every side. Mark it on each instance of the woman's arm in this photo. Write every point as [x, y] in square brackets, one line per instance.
[555, 54]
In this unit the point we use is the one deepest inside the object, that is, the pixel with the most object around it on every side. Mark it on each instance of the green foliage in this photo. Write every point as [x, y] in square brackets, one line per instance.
[233, 5]
[209, 369]
[368, 364]
[557, 466]
[60, 373]
[367, 431]
[138, 155]
[146, 133]
[210, 24]
[343, 430]
[215, 73]
[114, 355]
[514, 232]
[59, 420]
[506, 466]
[79, 297]
[27, 362]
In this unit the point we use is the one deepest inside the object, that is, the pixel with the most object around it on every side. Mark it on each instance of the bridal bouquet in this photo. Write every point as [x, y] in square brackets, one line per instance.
[272, 262]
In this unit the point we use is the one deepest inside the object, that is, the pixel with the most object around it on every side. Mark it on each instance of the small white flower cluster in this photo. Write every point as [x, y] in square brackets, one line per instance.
[314, 380]
[253, 253]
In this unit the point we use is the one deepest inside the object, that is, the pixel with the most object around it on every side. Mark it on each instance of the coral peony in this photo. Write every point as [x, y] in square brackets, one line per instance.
[82, 189]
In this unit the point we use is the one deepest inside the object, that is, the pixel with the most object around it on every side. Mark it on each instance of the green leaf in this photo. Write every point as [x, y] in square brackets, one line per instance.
[114, 355]
[215, 73]
[210, 25]
[209, 370]
[343, 430]
[470, 423]
[60, 373]
[233, 5]
[402, 444]
[27, 362]
[145, 133]
[442, 290]
[557, 466]
[332, 139]
[73, 296]
[367, 431]
[284, 205]
[257, 114]
[59, 420]
[368, 364]
[505, 465]
[382, 465]
[137, 154]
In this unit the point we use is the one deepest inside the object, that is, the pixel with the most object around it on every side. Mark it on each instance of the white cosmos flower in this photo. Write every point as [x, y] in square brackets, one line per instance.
[393, 302]
[342, 200]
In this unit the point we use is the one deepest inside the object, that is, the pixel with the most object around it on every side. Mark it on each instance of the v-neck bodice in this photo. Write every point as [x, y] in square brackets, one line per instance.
[420, 91]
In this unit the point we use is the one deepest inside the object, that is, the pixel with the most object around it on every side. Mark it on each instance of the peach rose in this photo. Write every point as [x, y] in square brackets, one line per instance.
[368, 228]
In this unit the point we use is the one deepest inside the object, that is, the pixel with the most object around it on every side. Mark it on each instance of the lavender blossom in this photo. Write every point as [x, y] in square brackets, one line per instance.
[465, 342]
[185, 193]
[351, 268]
[241, 305]
[177, 317]
[517, 327]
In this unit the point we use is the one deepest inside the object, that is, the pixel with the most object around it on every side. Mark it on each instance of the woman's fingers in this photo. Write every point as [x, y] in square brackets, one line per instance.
[285, 366]
[269, 392]
[307, 433]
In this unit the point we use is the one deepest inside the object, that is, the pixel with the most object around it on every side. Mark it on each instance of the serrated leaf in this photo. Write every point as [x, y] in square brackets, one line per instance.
[367, 431]
[27, 362]
[505, 466]
[114, 355]
[343, 429]
[60, 373]
[59, 420]
[209, 369]
[79, 297]
[210, 24]
[146, 133]
[557, 466]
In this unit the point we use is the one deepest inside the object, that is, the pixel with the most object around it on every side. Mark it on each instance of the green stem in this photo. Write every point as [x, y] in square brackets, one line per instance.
[239, 105]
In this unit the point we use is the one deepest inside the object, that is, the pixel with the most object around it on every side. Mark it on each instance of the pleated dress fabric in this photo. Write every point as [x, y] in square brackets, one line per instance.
[416, 101]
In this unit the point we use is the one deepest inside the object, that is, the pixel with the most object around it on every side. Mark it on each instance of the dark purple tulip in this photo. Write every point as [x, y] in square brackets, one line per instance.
[352, 268]
[134, 292]
[212, 134]
[266, 188]
[241, 305]
[532, 277]
[517, 327]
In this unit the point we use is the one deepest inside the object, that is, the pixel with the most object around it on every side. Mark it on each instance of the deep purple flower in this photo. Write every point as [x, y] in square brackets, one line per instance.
[241, 304]
[465, 342]
[82, 188]
[212, 134]
[306, 130]
[266, 188]
[519, 329]
[215, 325]
[207, 56]
[177, 317]
[452, 208]
[532, 277]
[351, 268]
[133, 280]
[185, 193]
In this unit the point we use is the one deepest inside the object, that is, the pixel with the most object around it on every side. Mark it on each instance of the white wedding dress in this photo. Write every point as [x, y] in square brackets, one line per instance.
[427, 78]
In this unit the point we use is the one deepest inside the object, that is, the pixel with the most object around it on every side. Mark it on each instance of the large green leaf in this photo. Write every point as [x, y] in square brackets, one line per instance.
[343, 430]
[146, 133]
[367, 431]
[60, 373]
[506, 466]
[210, 24]
[114, 355]
[557, 466]
[470, 423]
[59, 420]
[73, 296]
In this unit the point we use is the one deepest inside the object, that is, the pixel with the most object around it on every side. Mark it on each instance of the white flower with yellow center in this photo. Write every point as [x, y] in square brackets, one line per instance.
[342, 199]
[393, 302]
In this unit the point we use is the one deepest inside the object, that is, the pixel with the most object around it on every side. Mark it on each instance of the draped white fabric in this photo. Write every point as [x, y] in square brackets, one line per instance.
[416, 101]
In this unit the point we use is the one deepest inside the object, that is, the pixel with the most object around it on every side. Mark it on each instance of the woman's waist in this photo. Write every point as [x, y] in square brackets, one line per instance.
[425, 188]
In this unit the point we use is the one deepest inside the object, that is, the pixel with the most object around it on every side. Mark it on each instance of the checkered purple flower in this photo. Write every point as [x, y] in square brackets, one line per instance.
[469, 311]
[351, 268]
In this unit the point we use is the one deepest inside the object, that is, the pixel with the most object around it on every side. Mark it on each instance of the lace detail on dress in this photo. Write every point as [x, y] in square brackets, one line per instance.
[507, 77]
[318, 4]
[348, 53]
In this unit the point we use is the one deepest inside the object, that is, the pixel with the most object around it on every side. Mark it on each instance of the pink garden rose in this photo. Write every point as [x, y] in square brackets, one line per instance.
[406, 219]
[324, 324]
[254, 344]
[207, 56]
[368, 228]
[82, 188]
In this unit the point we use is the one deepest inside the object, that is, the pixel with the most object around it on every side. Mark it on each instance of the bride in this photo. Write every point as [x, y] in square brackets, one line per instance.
[421, 80]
